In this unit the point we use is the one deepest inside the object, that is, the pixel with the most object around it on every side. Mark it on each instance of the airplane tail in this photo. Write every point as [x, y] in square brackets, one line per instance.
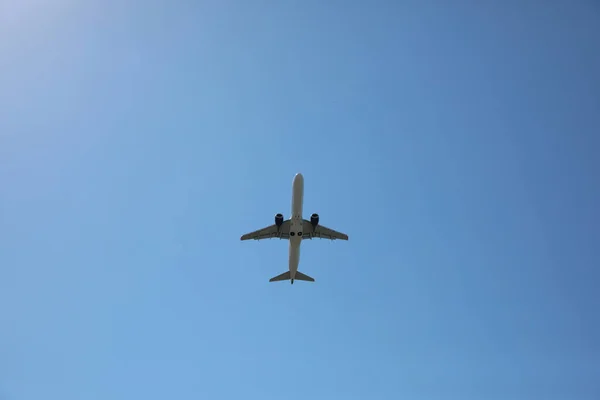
[286, 276]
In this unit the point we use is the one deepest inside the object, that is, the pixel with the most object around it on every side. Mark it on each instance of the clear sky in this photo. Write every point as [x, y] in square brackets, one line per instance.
[456, 144]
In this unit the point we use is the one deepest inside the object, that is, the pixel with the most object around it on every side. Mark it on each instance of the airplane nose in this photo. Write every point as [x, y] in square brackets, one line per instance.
[299, 176]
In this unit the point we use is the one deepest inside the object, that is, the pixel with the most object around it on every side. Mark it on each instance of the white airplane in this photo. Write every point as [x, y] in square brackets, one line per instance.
[296, 230]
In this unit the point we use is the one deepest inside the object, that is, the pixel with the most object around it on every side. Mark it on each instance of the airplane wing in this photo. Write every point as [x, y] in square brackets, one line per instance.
[321, 232]
[270, 232]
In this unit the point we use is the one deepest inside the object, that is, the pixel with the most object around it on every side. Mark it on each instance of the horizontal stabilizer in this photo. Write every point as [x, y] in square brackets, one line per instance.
[283, 277]
[301, 277]
[286, 276]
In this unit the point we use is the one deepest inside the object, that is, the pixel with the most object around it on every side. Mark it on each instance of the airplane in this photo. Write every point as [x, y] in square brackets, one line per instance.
[295, 229]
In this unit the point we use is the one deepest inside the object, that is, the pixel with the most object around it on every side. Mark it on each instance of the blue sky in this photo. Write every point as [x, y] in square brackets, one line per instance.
[455, 144]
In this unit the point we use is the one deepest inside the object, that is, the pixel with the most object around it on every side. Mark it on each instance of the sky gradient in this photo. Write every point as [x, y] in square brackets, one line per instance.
[455, 144]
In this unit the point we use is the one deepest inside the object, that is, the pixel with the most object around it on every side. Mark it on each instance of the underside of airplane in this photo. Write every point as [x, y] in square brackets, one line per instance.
[296, 229]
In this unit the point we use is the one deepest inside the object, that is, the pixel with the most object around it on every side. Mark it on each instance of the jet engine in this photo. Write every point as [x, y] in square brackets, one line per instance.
[314, 220]
[278, 219]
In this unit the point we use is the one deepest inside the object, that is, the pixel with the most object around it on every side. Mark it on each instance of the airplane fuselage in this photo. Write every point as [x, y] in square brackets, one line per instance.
[296, 224]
